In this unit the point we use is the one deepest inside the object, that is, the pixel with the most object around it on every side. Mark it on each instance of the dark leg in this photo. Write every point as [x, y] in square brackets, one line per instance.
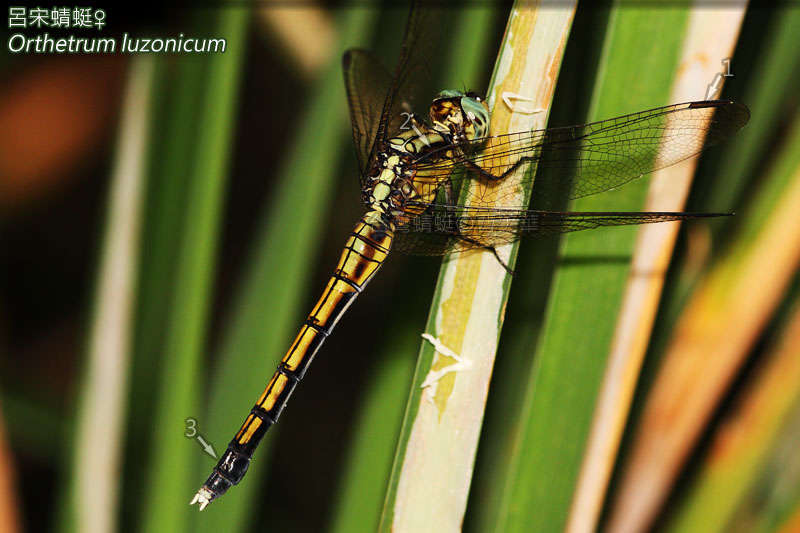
[499, 260]
[492, 249]
[491, 177]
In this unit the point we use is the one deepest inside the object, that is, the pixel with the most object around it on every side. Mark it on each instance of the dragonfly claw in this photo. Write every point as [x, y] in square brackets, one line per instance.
[202, 498]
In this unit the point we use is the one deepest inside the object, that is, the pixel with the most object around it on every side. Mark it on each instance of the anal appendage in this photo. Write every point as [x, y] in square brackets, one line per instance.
[202, 498]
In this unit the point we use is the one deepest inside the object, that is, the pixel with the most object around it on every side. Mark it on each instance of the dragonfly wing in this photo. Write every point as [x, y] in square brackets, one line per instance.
[420, 45]
[368, 83]
[419, 243]
[380, 103]
[445, 228]
[590, 158]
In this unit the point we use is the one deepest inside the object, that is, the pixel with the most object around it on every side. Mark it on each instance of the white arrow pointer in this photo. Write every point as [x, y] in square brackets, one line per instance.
[420, 134]
[509, 96]
[713, 87]
[209, 449]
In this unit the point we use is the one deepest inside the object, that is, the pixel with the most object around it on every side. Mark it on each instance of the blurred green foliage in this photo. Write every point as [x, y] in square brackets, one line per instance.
[251, 190]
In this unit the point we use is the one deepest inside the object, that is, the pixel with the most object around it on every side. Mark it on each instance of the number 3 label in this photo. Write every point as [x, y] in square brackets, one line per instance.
[191, 428]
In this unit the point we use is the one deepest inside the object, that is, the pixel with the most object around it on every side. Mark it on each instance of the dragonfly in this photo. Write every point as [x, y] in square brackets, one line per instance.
[431, 187]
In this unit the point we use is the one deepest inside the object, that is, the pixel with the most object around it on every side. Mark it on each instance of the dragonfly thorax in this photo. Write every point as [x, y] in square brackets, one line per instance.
[394, 187]
[390, 187]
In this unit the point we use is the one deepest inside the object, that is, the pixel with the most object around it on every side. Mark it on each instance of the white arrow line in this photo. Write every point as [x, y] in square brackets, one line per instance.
[509, 96]
[714, 86]
[433, 377]
[420, 135]
[207, 447]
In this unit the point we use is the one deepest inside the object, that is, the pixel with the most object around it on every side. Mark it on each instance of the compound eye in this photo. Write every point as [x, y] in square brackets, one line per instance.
[448, 94]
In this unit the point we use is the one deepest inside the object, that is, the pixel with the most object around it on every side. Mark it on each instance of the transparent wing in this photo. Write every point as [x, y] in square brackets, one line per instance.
[367, 83]
[379, 102]
[426, 23]
[590, 158]
[444, 228]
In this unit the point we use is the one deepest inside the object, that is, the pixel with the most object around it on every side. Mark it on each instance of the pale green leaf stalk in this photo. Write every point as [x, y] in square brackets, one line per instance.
[99, 432]
[436, 452]
[369, 460]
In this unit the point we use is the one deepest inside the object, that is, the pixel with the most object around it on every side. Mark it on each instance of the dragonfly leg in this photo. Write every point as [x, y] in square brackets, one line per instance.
[490, 249]
[511, 271]
[485, 174]
[449, 196]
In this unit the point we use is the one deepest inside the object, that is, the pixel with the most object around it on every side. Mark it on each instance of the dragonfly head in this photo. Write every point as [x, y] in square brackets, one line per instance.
[464, 116]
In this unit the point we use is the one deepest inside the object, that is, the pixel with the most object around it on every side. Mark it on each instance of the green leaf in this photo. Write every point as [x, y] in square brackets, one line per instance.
[173, 464]
[551, 426]
[177, 95]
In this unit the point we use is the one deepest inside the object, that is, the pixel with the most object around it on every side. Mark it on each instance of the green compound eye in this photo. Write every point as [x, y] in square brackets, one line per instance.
[476, 112]
[449, 93]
